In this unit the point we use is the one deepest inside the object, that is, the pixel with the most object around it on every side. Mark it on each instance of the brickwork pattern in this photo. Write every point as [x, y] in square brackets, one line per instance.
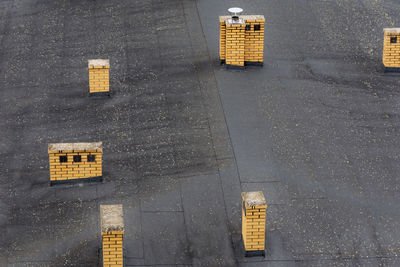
[254, 44]
[222, 39]
[235, 44]
[253, 227]
[70, 170]
[391, 49]
[253, 40]
[99, 79]
[253, 221]
[112, 248]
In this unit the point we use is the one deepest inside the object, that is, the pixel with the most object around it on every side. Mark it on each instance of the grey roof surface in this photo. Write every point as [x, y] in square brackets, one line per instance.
[316, 130]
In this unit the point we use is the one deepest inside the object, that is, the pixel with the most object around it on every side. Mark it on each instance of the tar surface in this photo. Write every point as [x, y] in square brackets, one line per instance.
[316, 129]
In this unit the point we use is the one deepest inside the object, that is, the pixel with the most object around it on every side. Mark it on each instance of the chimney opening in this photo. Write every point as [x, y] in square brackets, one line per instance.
[77, 158]
[63, 159]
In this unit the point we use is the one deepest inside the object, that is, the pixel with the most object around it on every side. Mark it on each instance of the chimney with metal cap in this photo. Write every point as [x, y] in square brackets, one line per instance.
[241, 39]
[235, 38]
[235, 11]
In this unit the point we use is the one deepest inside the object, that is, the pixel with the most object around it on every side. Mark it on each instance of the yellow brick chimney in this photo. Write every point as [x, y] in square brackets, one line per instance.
[391, 49]
[253, 223]
[241, 40]
[99, 76]
[75, 162]
[112, 232]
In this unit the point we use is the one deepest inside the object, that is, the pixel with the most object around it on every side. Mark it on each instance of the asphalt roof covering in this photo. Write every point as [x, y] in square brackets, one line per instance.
[316, 129]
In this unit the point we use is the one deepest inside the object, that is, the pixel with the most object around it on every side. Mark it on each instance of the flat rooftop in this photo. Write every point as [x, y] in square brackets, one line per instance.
[316, 129]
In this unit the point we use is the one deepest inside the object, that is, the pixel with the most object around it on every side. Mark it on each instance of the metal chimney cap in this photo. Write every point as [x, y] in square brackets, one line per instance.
[235, 10]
